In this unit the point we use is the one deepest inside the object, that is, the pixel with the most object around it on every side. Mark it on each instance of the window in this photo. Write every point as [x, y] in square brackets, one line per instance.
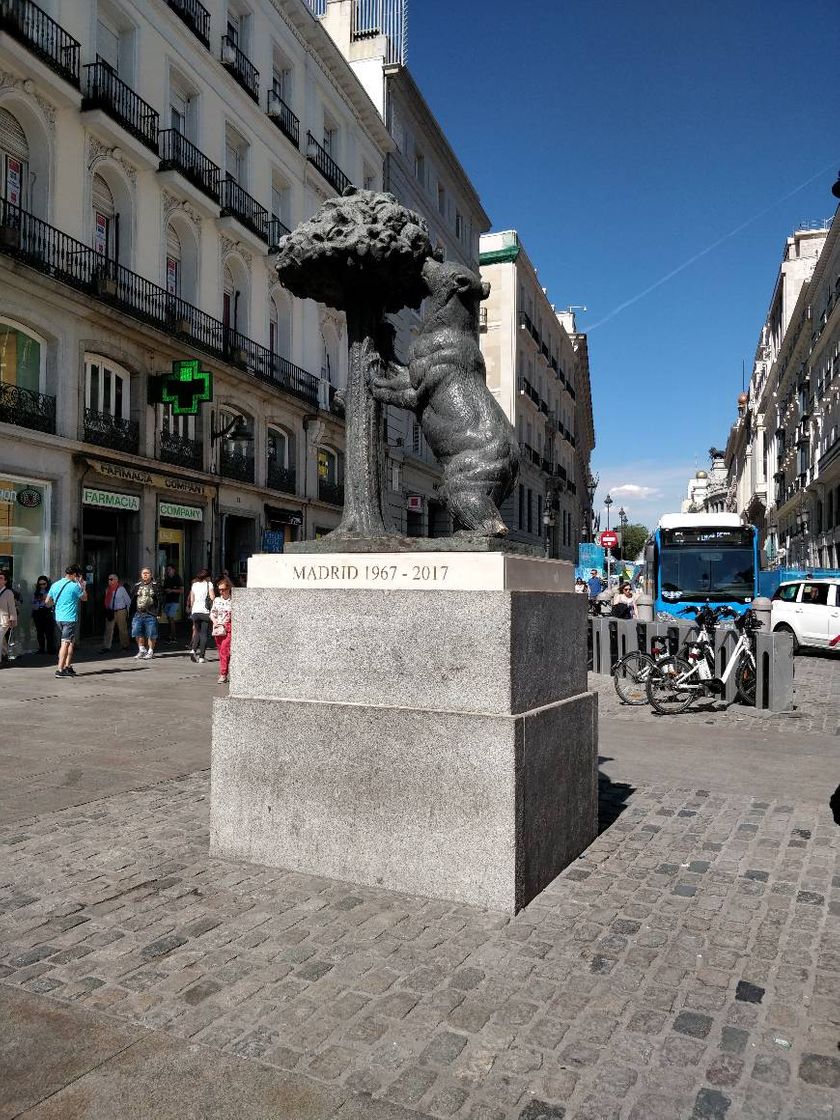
[521, 508]
[14, 160]
[280, 326]
[328, 466]
[183, 426]
[419, 167]
[180, 108]
[115, 40]
[108, 44]
[236, 157]
[22, 357]
[281, 80]
[330, 144]
[815, 594]
[369, 179]
[459, 225]
[105, 220]
[278, 448]
[280, 202]
[106, 387]
[441, 200]
[173, 262]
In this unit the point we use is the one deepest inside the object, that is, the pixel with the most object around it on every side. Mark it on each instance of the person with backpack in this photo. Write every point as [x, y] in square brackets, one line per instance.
[199, 602]
[624, 602]
[146, 599]
[64, 597]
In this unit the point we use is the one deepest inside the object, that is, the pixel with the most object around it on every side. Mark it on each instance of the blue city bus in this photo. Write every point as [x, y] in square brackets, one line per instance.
[693, 558]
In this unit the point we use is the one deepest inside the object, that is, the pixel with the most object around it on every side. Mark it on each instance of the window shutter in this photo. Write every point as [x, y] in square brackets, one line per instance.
[103, 200]
[12, 137]
[173, 244]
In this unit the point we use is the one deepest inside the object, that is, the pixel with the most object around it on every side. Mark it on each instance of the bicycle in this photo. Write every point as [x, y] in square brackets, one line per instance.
[630, 673]
[677, 682]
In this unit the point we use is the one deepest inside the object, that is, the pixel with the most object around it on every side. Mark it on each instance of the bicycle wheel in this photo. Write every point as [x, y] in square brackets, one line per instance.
[630, 676]
[745, 679]
[666, 691]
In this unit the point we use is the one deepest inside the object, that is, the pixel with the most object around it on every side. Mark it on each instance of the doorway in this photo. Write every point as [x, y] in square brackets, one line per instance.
[99, 560]
[171, 551]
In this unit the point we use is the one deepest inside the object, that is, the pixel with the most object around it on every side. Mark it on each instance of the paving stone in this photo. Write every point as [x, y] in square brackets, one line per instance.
[748, 993]
[710, 1104]
[539, 1110]
[692, 1023]
[820, 1069]
[733, 1040]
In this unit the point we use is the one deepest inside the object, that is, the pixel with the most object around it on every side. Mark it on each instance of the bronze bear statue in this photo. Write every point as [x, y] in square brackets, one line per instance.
[444, 384]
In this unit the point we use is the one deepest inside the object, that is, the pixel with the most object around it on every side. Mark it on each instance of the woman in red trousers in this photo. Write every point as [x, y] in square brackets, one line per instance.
[220, 621]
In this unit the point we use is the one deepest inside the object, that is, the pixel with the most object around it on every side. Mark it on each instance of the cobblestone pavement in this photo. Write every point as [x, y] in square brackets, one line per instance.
[687, 966]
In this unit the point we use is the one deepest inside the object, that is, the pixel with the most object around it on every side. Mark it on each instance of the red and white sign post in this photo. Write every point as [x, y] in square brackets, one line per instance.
[609, 539]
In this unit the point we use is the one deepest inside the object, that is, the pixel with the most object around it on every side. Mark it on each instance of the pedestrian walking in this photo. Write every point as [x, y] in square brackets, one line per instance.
[147, 600]
[42, 616]
[595, 584]
[8, 616]
[117, 604]
[580, 586]
[199, 603]
[220, 617]
[64, 598]
[173, 590]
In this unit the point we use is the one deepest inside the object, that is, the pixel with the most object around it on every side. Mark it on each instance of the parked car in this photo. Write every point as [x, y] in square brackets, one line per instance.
[809, 609]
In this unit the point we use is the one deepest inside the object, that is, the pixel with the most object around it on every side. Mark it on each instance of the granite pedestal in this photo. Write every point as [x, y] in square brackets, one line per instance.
[435, 740]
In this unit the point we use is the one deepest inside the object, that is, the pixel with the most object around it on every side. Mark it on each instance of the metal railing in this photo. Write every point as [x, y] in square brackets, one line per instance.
[276, 231]
[237, 203]
[241, 68]
[104, 90]
[47, 39]
[195, 16]
[283, 117]
[332, 492]
[27, 409]
[235, 464]
[320, 158]
[53, 253]
[177, 153]
[180, 451]
[106, 430]
[280, 478]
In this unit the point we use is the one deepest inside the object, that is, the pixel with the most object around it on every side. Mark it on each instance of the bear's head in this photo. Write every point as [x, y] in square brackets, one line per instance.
[446, 280]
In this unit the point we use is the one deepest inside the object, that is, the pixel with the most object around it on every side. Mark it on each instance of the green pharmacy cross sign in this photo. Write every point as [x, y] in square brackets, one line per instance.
[187, 387]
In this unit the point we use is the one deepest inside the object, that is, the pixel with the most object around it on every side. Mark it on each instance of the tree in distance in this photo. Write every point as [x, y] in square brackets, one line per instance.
[633, 539]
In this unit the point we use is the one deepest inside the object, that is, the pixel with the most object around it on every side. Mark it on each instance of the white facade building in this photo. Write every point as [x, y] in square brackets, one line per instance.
[538, 368]
[151, 156]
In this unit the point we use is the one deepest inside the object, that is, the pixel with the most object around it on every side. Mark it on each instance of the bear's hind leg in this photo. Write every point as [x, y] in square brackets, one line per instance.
[476, 512]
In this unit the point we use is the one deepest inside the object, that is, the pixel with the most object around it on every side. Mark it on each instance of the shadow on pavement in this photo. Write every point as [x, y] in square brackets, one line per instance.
[612, 797]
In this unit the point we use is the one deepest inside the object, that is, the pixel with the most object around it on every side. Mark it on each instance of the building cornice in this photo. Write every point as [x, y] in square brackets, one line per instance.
[500, 256]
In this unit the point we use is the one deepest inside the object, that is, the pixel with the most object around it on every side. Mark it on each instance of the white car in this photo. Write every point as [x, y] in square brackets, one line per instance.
[809, 609]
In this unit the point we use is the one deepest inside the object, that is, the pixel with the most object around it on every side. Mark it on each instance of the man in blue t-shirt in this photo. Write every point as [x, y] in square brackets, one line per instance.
[595, 585]
[64, 597]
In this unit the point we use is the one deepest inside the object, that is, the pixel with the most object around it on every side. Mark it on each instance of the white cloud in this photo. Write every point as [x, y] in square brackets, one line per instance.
[631, 490]
[660, 488]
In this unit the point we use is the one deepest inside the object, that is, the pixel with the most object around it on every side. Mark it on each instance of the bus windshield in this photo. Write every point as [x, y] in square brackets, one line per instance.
[707, 564]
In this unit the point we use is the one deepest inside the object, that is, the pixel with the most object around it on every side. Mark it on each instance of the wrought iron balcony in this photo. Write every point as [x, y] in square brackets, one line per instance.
[331, 492]
[27, 409]
[240, 67]
[106, 430]
[181, 451]
[235, 464]
[104, 90]
[319, 157]
[237, 203]
[195, 16]
[276, 232]
[283, 117]
[178, 154]
[31, 26]
[51, 252]
[280, 478]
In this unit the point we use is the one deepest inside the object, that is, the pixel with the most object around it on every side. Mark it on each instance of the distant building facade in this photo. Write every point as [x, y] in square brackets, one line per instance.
[538, 370]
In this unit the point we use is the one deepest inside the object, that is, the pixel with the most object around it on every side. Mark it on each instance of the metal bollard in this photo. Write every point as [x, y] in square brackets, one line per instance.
[762, 609]
[644, 608]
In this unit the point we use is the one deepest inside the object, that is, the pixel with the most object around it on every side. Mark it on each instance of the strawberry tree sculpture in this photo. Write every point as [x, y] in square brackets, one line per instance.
[361, 253]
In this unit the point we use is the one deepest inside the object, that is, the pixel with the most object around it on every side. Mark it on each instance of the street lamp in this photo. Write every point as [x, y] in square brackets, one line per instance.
[802, 520]
[622, 520]
[608, 502]
[591, 487]
[548, 525]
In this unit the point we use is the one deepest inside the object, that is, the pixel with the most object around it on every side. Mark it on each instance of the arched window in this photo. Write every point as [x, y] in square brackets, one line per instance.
[330, 476]
[107, 387]
[22, 357]
[280, 473]
[173, 261]
[235, 295]
[237, 450]
[280, 326]
[105, 220]
[14, 160]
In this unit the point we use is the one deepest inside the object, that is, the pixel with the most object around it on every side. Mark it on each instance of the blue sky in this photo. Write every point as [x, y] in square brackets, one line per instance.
[622, 140]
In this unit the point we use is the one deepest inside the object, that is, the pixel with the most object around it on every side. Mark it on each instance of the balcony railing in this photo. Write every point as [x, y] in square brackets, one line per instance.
[53, 253]
[106, 430]
[195, 16]
[237, 203]
[27, 409]
[276, 232]
[280, 478]
[331, 492]
[181, 451]
[283, 117]
[31, 26]
[320, 158]
[241, 68]
[104, 90]
[235, 464]
[178, 154]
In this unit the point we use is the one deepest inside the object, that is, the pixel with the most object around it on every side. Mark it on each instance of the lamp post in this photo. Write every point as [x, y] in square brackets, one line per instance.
[802, 520]
[591, 487]
[608, 502]
[548, 525]
[622, 521]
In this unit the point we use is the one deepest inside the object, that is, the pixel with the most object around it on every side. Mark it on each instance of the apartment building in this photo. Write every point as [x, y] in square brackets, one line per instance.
[162, 398]
[424, 173]
[783, 452]
[538, 368]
